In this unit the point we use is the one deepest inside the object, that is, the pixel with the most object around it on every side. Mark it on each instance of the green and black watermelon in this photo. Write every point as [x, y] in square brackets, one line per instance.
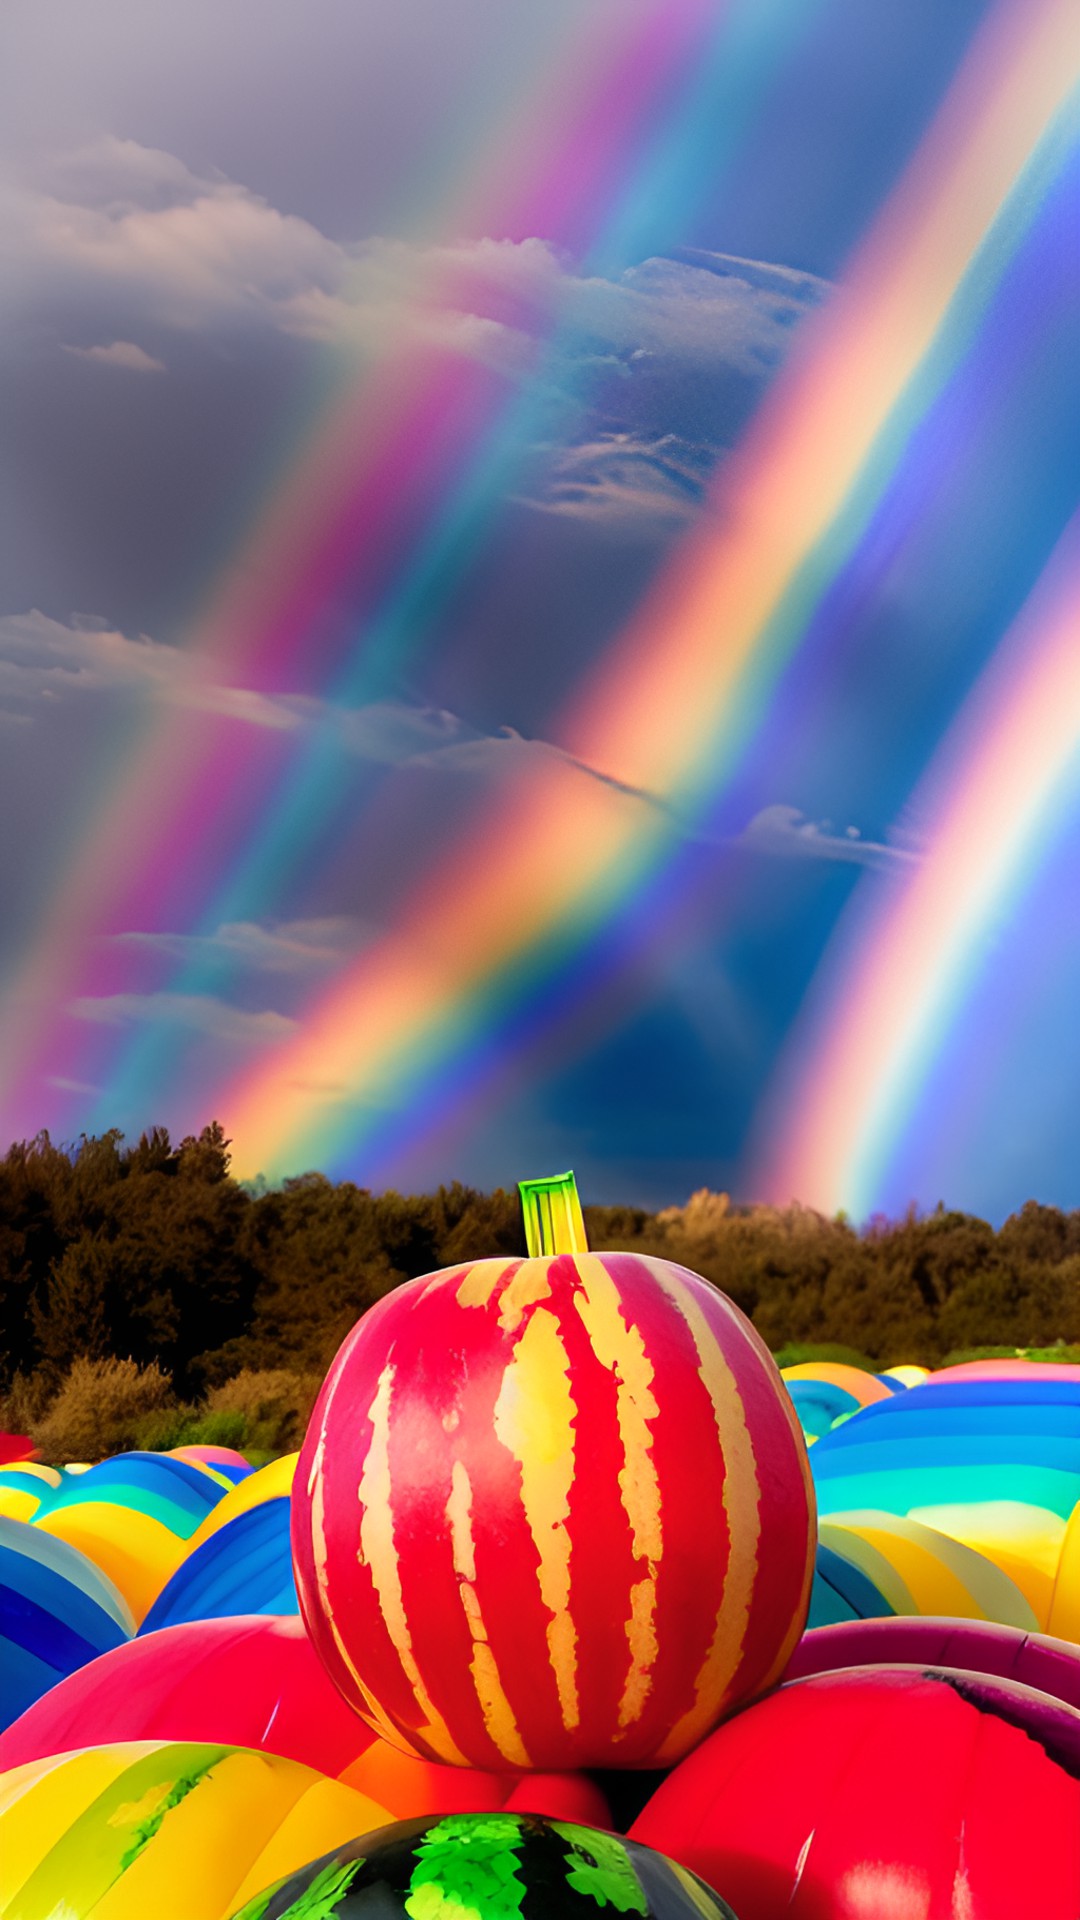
[489, 1866]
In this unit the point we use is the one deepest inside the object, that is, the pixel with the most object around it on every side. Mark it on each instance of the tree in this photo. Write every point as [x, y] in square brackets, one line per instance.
[72, 1316]
[206, 1157]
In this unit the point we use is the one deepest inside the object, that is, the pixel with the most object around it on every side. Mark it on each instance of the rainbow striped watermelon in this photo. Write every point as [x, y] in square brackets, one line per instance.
[553, 1513]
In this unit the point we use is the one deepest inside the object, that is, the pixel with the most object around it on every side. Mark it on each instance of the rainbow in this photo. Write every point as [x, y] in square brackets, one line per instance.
[392, 423]
[905, 952]
[198, 820]
[660, 724]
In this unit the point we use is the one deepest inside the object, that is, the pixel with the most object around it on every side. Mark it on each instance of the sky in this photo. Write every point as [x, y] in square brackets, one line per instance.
[540, 591]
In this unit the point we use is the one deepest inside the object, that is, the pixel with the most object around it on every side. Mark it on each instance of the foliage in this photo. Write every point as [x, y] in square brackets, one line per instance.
[136, 1254]
[191, 1426]
[24, 1404]
[107, 1406]
[101, 1407]
[152, 1257]
[272, 1407]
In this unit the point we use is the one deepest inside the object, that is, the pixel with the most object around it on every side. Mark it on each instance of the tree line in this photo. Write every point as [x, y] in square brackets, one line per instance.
[153, 1252]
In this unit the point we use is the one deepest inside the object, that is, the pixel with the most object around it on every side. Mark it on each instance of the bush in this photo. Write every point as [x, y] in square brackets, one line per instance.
[273, 1403]
[191, 1427]
[100, 1408]
[110, 1406]
[24, 1403]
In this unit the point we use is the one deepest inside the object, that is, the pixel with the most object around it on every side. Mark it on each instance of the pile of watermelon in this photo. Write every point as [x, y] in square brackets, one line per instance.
[552, 1537]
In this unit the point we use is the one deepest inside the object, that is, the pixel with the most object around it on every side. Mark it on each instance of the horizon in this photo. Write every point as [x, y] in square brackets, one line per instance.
[258, 1184]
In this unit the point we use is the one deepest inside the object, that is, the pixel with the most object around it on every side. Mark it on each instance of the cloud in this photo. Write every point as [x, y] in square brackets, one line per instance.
[739, 311]
[392, 733]
[199, 1013]
[615, 477]
[295, 946]
[169, 245]
[671, 358]
[521, 305]
[119, 176]
[44, 659]
[786, 833]
[120, 353]
[190, 251]
[636, 382]
[491, 300]
[787, 283]
[70, 1086]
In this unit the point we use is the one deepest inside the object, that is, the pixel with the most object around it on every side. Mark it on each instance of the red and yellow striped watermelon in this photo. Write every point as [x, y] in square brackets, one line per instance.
[553, 1513]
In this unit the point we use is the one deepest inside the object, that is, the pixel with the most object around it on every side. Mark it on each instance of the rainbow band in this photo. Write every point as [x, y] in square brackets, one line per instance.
[906, 950]
[563, 849]
[546, 168]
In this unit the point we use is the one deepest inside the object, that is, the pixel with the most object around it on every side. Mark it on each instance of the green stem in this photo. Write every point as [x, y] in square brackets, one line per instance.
[553, 1218]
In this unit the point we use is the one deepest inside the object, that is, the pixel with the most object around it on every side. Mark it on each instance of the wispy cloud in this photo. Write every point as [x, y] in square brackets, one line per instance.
[616, 476]
[295, 946]
[785, 832]
[119, 353]
[199, 1013]
[649, 373]
[42, 658]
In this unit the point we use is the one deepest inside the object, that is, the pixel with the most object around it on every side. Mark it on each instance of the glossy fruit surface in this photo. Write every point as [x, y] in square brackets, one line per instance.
[255, 1681]
[153, 1830]
[975, 1646]
[884, 1793]
[553, 1513]
[490, 1867]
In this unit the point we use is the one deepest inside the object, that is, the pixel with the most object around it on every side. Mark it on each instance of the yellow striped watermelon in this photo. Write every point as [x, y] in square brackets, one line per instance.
[553, 1513]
